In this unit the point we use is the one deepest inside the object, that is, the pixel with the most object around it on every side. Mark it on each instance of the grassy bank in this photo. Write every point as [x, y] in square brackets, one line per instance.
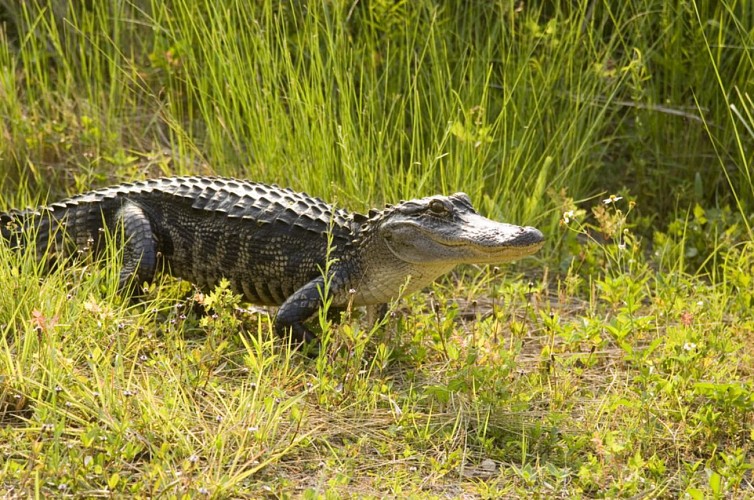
[616, 363]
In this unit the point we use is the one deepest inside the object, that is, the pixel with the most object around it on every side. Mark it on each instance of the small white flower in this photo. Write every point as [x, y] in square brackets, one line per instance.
[567, 216]
[613, 198]
[689, 346]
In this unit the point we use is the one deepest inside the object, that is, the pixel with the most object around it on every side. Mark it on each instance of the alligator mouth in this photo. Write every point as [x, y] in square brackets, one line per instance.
[489, 248]
[529, 241]
[474, 240]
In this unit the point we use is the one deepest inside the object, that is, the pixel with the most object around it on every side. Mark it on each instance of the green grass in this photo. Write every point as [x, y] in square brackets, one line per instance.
[618, 362]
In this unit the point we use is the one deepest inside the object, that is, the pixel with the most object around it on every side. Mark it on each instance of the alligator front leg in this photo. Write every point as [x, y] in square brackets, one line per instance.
[300, 306]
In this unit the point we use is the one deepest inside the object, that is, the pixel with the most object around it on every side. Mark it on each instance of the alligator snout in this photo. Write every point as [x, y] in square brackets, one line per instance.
[532, 235]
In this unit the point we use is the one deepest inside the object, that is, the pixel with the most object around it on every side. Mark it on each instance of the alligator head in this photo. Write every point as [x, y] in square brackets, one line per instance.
[447, 230]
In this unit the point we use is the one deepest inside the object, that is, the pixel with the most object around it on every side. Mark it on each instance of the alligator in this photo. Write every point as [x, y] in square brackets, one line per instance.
[272, 244]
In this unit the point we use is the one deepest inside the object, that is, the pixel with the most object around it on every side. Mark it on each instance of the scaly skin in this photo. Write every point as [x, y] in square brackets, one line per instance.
[271, 243]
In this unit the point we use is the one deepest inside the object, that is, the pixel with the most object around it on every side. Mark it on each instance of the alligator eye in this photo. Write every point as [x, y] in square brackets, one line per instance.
[437, 207]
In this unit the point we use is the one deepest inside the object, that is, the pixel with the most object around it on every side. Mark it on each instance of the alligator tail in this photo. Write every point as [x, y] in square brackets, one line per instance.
[29, 227]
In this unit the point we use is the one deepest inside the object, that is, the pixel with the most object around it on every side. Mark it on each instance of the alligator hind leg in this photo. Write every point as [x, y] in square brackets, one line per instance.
[139, 247]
